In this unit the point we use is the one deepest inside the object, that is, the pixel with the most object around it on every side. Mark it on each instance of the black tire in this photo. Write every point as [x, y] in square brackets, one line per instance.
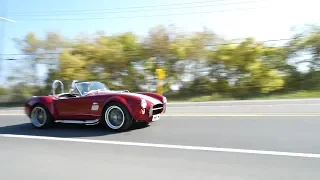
[47, 120]
[125, 119]
[140, 124]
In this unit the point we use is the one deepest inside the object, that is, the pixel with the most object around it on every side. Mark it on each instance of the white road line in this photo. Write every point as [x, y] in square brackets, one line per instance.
[241, 115]
[168, 146]
[12, 109]
[244, 105]
[216, 114]
[244, 101]
[12, 114]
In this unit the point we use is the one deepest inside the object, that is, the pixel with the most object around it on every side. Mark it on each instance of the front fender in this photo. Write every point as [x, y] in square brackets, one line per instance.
[119, 100]
[153, 95]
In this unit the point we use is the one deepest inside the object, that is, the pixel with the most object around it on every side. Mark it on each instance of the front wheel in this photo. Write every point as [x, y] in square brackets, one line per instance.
[116, 117]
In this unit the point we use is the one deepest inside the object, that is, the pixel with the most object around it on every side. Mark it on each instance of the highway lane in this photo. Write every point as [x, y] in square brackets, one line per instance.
[285, 134]
[296, 130]
[51, 160]
[290, 134]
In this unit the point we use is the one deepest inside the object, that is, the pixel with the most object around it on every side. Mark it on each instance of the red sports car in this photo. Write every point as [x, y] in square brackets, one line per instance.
[92, 102]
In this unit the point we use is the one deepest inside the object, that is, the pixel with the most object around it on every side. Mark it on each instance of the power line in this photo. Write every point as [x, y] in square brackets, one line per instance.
[210, 45]
[6, 19]
[130, 17]
[132, 7]
[144, 10]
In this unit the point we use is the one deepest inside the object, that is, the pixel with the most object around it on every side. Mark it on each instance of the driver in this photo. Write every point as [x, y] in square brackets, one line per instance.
[85, 88]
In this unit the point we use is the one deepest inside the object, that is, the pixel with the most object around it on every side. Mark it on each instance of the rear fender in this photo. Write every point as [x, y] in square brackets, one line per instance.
[46, 101]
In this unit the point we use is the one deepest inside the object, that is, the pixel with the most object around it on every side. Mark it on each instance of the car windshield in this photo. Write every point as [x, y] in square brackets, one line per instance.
[86, 87]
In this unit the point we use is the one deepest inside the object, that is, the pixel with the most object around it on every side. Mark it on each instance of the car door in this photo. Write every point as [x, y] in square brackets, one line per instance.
[76, 108]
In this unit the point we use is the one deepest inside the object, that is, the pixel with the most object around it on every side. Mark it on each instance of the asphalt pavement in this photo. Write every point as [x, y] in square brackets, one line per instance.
[212, 140]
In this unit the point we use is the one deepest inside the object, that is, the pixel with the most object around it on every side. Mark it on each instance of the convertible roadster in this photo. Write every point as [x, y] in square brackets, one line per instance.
[91, 103]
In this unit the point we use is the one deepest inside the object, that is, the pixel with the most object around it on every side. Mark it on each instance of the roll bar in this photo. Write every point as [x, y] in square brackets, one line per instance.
[55, 85]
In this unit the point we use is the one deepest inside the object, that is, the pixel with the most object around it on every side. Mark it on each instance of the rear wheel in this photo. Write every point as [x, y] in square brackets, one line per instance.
[40, 117]
[116, 117]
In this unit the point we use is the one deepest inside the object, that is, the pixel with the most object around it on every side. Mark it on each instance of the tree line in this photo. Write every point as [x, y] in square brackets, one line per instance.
[198, 63]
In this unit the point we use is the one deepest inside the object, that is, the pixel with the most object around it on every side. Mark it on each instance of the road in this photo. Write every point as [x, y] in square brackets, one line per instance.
[216, 140]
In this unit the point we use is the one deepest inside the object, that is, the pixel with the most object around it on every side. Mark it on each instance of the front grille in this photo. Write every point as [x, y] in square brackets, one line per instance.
[157, 109]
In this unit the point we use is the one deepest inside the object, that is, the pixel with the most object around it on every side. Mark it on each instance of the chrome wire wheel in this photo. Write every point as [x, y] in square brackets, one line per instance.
[38, 116]
[114, 117]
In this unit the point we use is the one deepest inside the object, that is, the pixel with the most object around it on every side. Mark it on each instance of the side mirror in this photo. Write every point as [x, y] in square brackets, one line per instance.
[71, 91]
[73, 85]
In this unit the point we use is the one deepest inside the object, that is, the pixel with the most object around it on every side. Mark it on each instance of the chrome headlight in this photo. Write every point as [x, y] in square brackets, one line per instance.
[165, 100]
[143, 103]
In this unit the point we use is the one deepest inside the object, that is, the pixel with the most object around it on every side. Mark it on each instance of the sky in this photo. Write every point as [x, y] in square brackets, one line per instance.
[231, 19]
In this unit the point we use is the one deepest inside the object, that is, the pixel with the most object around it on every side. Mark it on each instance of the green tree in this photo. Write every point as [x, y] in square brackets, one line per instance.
[72, 67]
[39, 51]
[303, 48]
[249, 66]
[3, 91]
[242, 69]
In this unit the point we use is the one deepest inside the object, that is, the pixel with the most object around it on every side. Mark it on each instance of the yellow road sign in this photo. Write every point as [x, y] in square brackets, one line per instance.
[161, 73]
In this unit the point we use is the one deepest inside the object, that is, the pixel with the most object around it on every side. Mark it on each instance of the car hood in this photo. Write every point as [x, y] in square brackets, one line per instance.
[141, 96]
